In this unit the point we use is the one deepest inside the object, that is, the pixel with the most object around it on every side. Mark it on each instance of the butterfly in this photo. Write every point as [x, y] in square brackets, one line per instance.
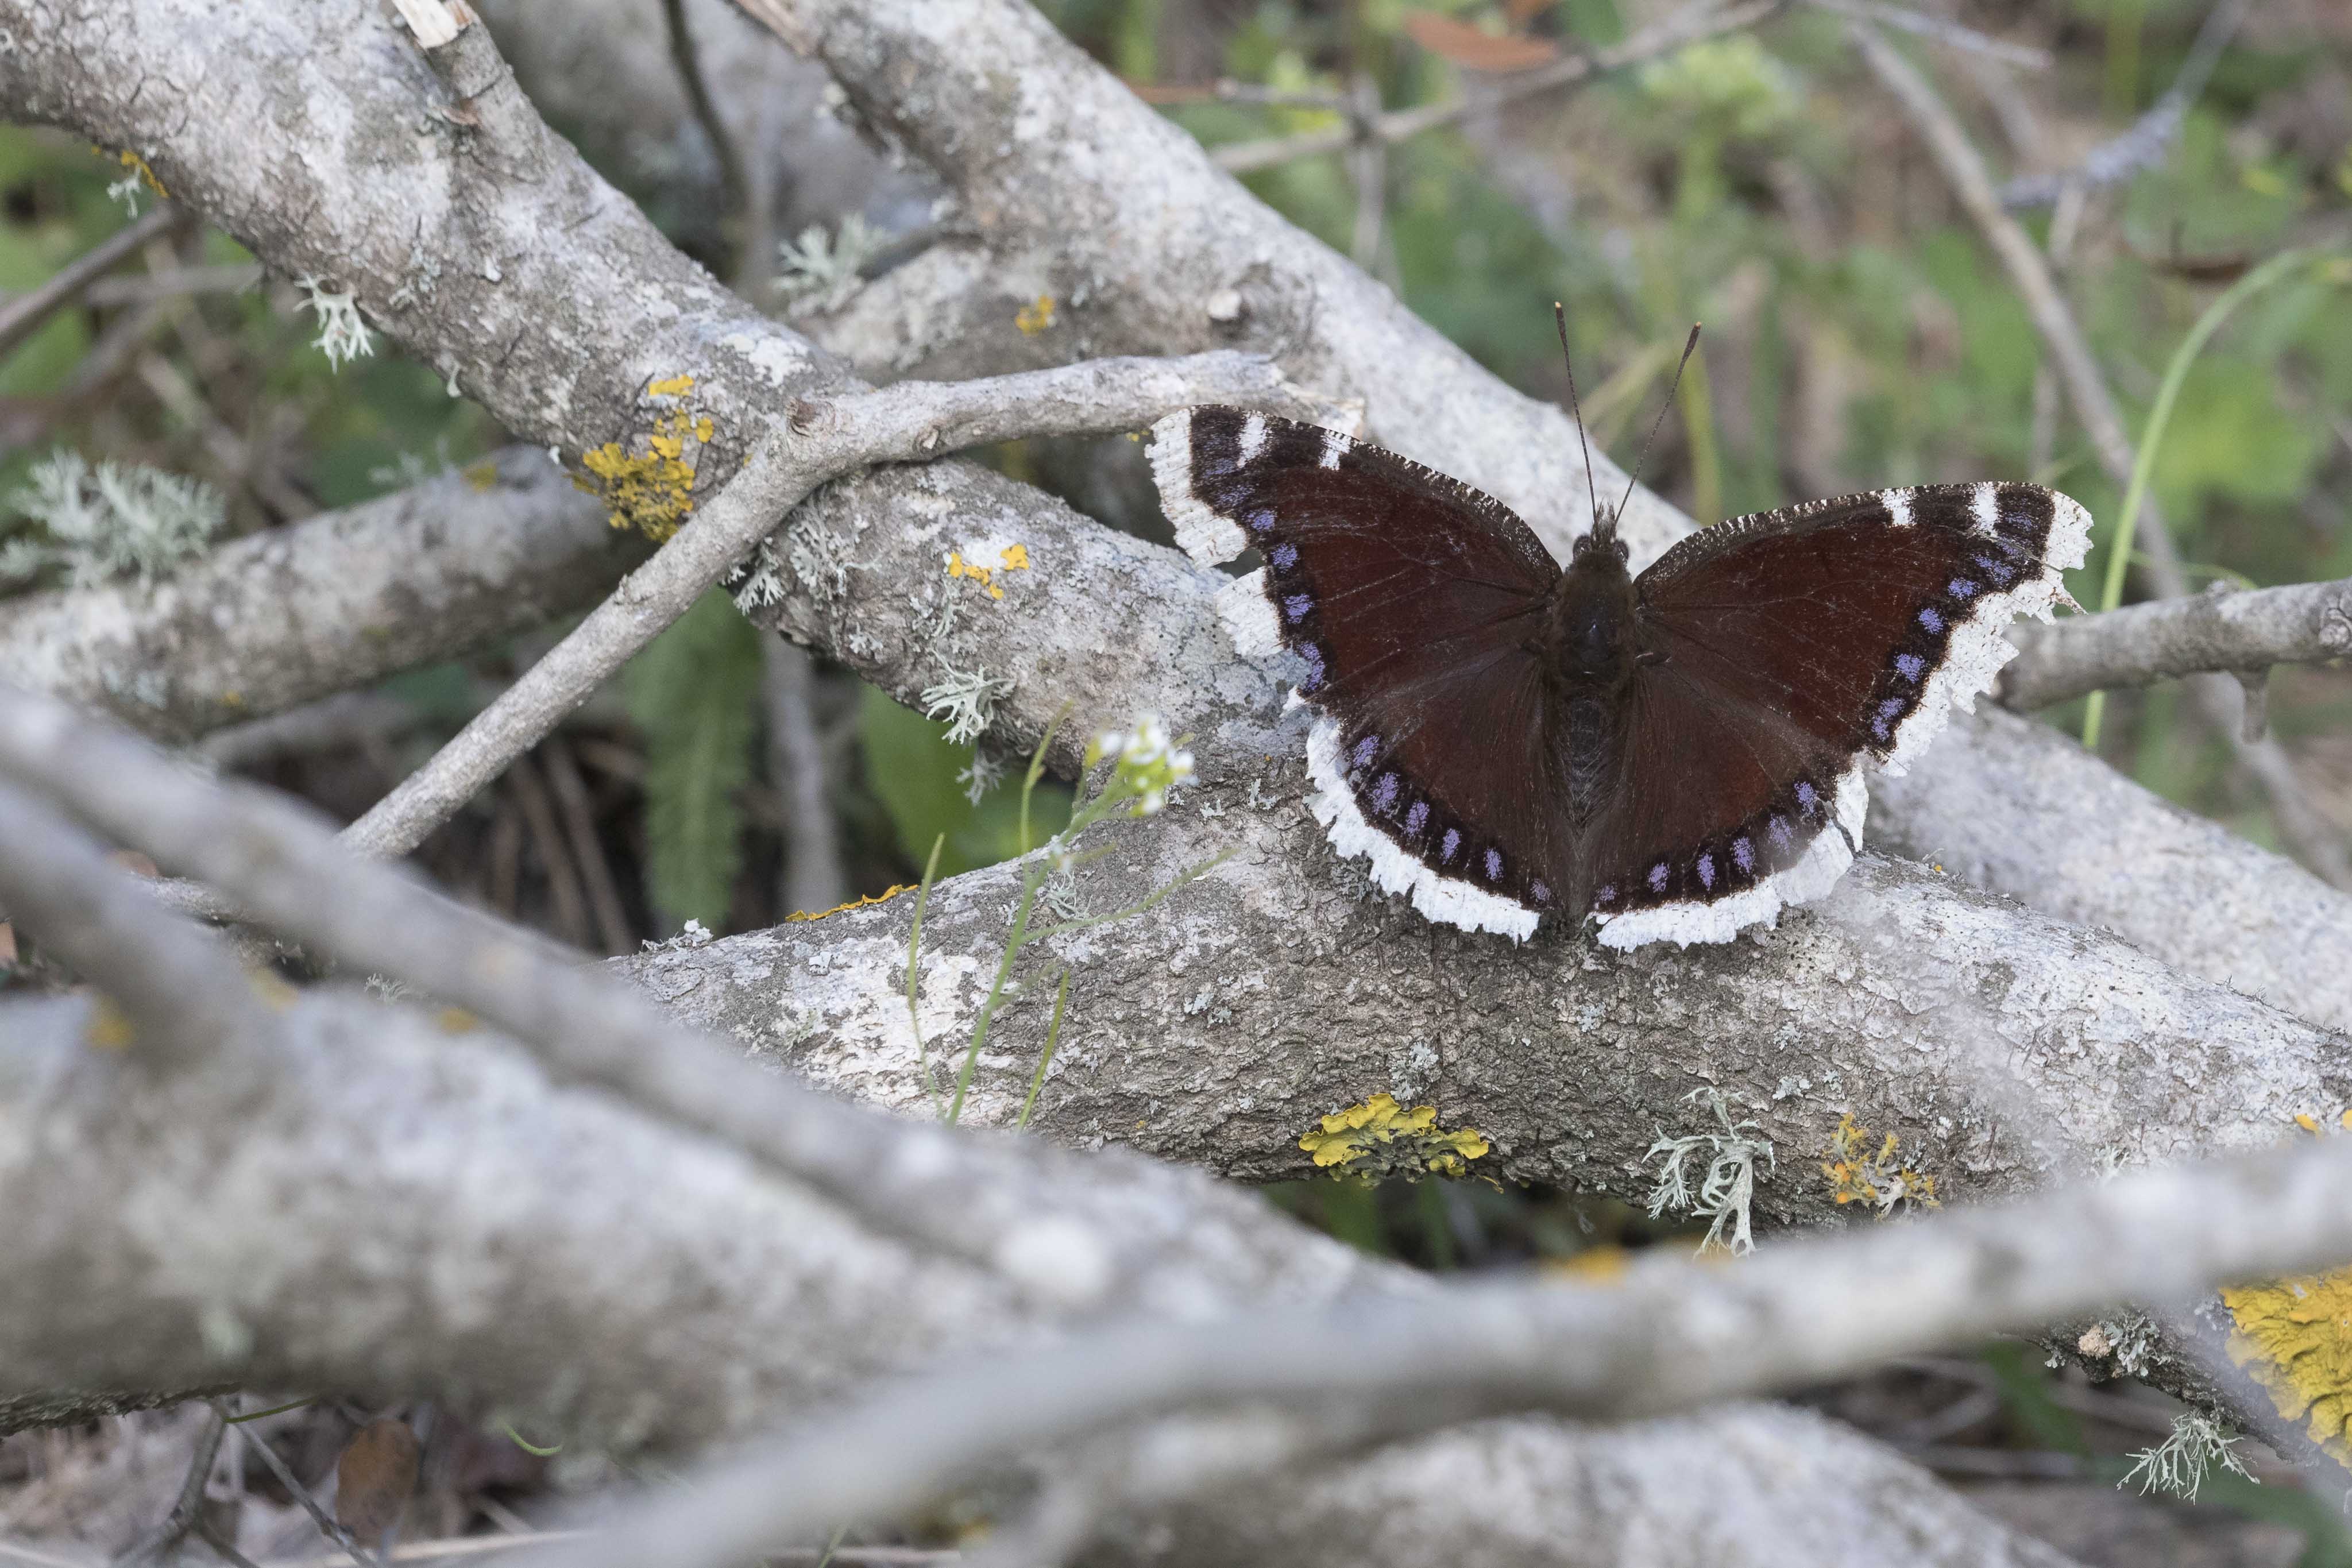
[1677, 755]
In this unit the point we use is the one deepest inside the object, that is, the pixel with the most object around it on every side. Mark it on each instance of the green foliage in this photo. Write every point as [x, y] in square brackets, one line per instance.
[924, 782]
[694, 693]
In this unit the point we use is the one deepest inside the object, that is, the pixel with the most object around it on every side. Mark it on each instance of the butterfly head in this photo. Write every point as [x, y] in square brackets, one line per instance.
[1603, 540]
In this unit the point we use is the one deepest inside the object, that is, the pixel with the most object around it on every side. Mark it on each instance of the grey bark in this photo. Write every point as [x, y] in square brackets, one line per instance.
[344, 599]
[2220, 629]
[1161, 231]
[1119, 624]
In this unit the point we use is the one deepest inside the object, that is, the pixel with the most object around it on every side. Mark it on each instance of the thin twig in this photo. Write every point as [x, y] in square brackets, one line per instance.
[187, 1510]
[1683, 27]
[587, 849]
[563, 878]
[182, 998]
[1665, 1334]
[811, 878]
[908, 422]
[2300, 824]
[229, 277]
[2141, 644]
[733, 182]
[2143, 146]
[1965, 39]
[22, 315]
[328, 1525]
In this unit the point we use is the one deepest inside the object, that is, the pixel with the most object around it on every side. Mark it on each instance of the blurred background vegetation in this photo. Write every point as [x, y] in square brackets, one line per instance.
[1858, 334]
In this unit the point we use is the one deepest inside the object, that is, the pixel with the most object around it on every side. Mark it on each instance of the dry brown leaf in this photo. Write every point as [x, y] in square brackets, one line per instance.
[375, 1478]
[1472, 49]
[7, 943]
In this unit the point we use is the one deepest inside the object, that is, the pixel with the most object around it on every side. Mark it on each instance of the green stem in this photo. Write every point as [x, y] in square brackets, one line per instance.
[914, 951]
[1052, 1034]
[1140, 905]
[2111, 592]
[1031, 881]
[1037, 768]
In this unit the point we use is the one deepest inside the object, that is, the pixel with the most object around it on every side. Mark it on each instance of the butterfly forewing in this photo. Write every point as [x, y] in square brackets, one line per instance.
[1410, 600]
[1789, 649]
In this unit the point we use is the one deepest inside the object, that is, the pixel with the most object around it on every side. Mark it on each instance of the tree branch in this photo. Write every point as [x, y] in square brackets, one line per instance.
[1686, 26]
[1165, 236]
[2314, 840]
[292, 615]
[176, 986]
[2140, 645]
[821, 442]
[21, 315]
[2144, 145]
[1664, 1335]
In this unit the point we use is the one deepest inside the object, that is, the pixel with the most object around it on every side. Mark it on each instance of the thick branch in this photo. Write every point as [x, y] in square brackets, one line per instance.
[819, 443]
[1667, 1335]
[1164, 236]
[1120, 624]
[342, 600]
[2142, 644]
[181, 994]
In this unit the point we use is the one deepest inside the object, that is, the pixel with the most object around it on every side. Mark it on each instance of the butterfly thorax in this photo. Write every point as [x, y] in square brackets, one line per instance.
[1588, 653]
[1587, 644]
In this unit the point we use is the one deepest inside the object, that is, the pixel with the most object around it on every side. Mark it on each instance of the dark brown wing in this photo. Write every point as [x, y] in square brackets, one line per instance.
[1410, 600]
[1796, 645]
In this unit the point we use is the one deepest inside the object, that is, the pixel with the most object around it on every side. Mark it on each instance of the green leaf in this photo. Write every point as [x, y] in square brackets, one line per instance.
[694, 695]
[912, 769]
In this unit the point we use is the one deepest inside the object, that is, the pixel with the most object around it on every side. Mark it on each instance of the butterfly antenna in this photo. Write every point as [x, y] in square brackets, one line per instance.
[1602, 527]
[1644, 461]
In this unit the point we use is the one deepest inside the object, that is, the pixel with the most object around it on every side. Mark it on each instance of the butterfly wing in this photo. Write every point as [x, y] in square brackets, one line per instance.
[1410, 598]
[1796, 645]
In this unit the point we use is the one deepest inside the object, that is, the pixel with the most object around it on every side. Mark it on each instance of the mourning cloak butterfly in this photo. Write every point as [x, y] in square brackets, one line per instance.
[1677, 755]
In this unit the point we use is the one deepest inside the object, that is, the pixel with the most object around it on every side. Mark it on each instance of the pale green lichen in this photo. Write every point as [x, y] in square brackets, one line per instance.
[2181, 1463]
[112, 520]
[1728, 1188]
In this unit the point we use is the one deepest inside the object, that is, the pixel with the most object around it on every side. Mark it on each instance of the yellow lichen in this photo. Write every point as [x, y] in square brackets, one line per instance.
[1035, 315]
[1875, 1178]
[652, 492]
[482, 475]
[982, 569]
[1381, 1137]
[881, 898]
[2294, 1338]
[456, 1021]
[132, 161]
[1602, 1265]
[110, 1028]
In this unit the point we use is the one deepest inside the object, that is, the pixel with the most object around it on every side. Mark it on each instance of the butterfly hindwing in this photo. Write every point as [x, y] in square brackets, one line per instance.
[1797, 646]
[1407, 598]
